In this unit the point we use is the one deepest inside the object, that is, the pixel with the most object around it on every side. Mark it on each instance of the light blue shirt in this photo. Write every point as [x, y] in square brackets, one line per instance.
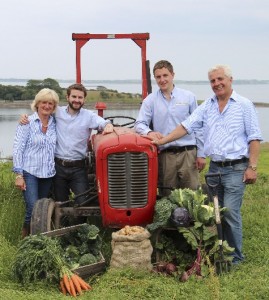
[226, 134]
[166, 115]
[74, 131]
[33, 150]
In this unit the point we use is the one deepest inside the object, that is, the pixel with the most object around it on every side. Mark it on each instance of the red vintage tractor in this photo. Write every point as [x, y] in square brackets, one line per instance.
[123, 166]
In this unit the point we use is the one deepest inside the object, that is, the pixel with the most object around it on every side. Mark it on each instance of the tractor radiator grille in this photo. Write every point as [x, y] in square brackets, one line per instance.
[128, 179]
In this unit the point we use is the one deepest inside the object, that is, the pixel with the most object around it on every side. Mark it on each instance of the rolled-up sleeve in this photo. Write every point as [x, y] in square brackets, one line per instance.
[252, 124]
[144, 118]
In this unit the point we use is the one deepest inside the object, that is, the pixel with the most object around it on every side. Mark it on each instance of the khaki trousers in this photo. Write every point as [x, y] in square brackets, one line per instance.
[177, 170]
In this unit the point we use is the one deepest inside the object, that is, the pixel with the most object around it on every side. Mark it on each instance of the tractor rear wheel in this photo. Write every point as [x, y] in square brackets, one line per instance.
[42, 216]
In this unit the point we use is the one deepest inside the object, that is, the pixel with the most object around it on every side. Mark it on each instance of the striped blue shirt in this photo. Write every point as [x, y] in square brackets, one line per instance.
[226, 134]
[33, 150]
[166, 115]
[74, 131]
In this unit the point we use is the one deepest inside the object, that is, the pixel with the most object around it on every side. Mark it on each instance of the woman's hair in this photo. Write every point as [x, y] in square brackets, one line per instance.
[45, 95]
[227, 70]
[163, 64]
[78, 87]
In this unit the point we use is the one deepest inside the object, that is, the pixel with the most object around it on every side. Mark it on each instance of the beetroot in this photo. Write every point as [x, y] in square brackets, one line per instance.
[170, 268]
[161, 266]
[184, 277]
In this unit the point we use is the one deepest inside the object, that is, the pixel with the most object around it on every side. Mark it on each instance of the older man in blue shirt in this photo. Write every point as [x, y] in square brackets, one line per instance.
[232, 141]
[179, 161]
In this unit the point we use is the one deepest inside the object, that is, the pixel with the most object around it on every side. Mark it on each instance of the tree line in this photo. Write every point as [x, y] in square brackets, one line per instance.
[28, 92]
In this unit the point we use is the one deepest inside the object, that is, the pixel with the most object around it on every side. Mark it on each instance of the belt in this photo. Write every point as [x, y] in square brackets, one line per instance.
[229, 163]
[71, 163]
[176, 149]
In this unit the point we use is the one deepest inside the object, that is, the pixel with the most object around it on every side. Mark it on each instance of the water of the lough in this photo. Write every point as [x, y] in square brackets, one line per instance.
[258, 93]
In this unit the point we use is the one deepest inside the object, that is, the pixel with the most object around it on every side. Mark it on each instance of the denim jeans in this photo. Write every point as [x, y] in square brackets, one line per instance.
[36, 188]
[230, 194]
[69, 179]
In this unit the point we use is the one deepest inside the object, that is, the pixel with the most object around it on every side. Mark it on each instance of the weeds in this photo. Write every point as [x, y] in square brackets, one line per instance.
[11, 206]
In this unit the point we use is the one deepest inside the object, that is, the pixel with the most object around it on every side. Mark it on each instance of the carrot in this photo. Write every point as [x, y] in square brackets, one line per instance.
[66, 283]
[72, 288]
[84, 285]
[63, 289]
[76, 284]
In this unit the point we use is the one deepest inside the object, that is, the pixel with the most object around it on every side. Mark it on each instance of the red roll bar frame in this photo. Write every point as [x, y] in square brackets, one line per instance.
[139, 38]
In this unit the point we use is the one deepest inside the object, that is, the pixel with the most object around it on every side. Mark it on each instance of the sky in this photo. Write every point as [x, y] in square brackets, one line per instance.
[194, 35]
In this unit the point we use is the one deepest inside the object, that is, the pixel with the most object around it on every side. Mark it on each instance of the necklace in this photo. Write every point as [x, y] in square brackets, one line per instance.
[45, 125]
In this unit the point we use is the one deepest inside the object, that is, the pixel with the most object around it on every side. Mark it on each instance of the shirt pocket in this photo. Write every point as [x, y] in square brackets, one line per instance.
[181, 109]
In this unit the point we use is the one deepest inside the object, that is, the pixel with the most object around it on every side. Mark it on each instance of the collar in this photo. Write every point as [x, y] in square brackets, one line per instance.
[233, 97]
[67, 111]
[171, 94]
[36, 117]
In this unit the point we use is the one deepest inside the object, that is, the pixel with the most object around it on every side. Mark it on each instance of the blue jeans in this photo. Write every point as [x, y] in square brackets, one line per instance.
[69, 179]
[230, 195]
[36, 188]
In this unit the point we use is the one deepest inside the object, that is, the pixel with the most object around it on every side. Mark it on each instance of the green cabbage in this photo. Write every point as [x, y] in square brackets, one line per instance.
[205, 214]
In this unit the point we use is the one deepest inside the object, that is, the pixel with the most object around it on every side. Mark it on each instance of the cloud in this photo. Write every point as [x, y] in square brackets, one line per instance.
[36, 37]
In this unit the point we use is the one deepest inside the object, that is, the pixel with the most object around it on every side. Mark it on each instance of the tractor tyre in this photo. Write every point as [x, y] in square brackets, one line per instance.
[42, 216]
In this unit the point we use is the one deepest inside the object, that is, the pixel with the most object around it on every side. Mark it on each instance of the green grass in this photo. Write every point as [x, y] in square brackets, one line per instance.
[263, 164]
[249, 281]
[11, 205]
[113, 97]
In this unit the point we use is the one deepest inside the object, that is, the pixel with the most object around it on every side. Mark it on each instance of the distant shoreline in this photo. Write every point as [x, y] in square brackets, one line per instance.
[90, 105]
[133, 81]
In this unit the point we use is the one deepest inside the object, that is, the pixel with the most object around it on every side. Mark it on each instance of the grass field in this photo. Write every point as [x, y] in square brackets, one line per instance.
[249, 281]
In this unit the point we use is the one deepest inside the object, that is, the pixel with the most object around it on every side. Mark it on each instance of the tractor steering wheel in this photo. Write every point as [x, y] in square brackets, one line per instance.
[122, 121]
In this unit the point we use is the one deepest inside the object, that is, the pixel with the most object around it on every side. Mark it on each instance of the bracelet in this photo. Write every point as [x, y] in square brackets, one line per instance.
[19, 176]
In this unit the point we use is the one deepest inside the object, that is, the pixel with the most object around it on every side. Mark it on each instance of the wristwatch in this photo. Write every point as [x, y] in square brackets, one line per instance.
[253, 168]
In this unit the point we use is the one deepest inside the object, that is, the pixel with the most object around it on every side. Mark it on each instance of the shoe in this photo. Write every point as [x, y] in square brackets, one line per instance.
[25, 230]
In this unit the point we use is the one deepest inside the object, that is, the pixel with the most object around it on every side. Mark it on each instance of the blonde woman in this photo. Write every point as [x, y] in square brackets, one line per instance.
[33, 152]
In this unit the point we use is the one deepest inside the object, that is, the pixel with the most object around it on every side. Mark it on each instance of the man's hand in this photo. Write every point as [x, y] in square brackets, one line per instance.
[23, 119]
[250, 176]
[155, 135]
[200, 163]
[108, 128]
[158, 142]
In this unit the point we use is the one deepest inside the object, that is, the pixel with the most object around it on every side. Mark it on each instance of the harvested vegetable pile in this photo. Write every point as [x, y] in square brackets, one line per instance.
[82, 246]
[162, 212]
[130, 230]
[131, 247]
[51, 259]
[38, 258]
[198, 227]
